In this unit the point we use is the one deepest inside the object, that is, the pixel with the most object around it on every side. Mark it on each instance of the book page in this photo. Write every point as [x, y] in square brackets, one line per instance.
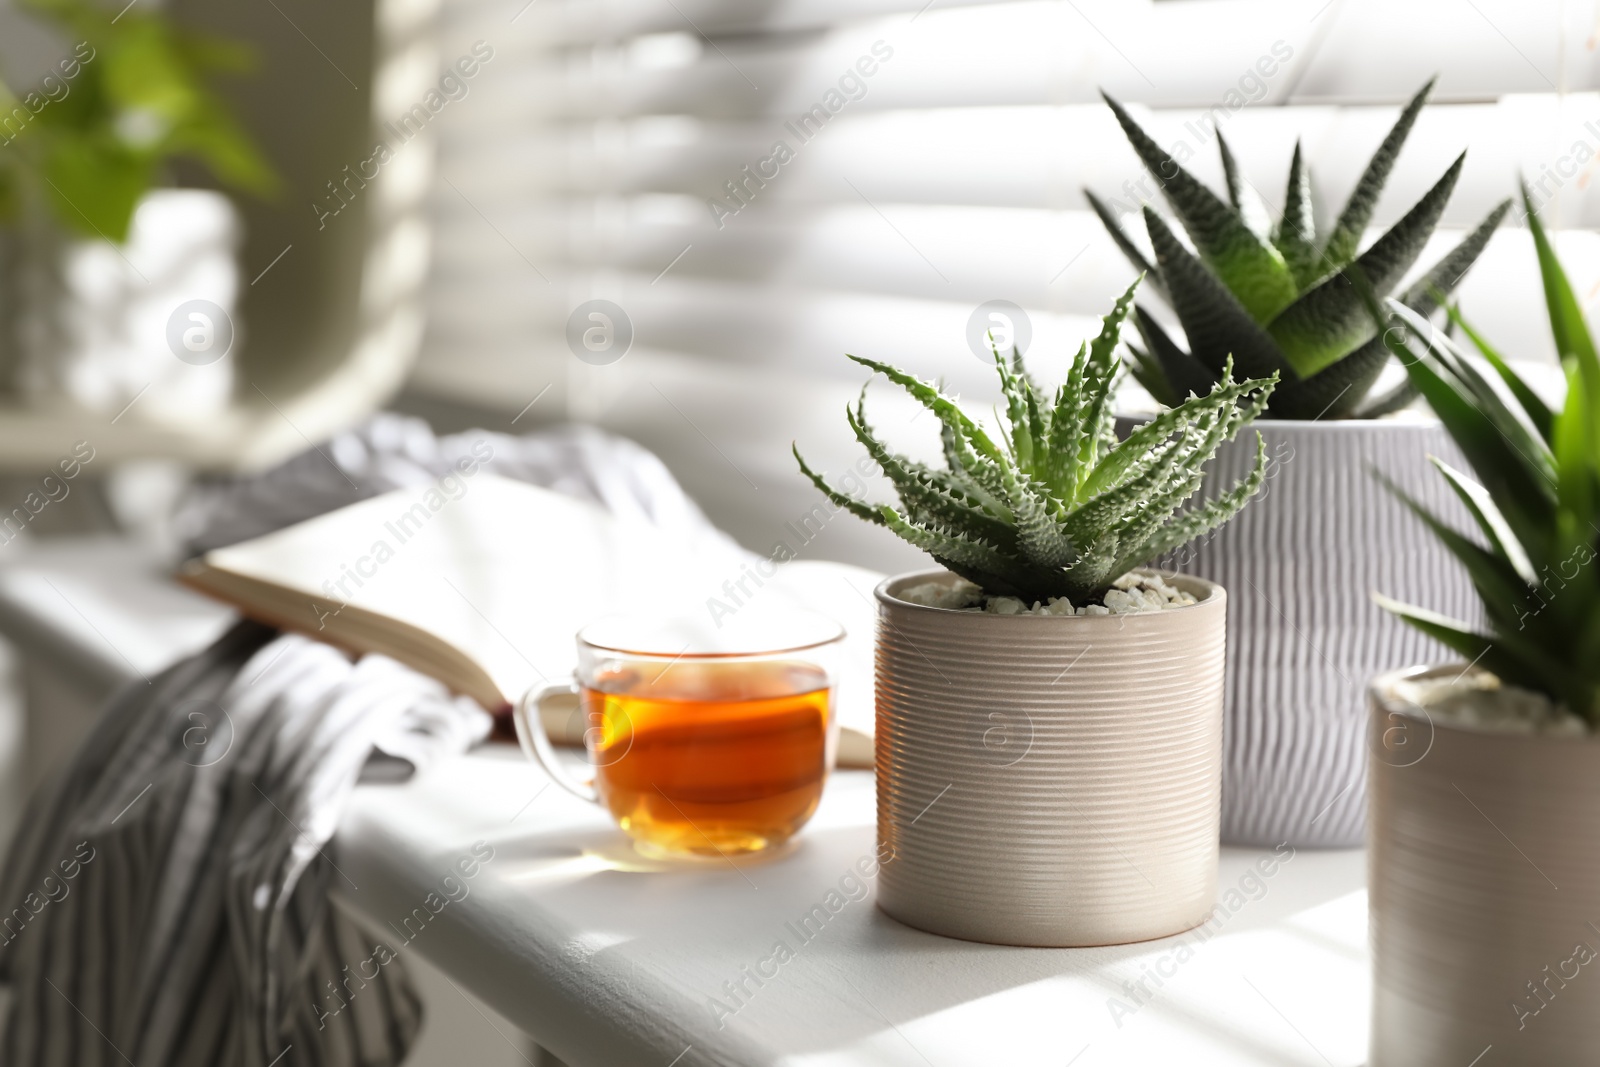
[507, 573]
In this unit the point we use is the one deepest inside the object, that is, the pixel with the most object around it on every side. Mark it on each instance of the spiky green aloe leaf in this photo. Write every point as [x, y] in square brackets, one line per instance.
[843, 500]
[1116, 506]
[927, 494]
[967, 552]
[1332, 320]
[1141, 445]
[936, 402]
[1147, 371]
[1336, 392]
[1064, 508]
[1426, 293]
[1123, 241]
[1202, 520]
[1345, 237]
[1248, 265]
[1396, 399]
[1246, 201]
[1296, 233]
[1216, 324]
[1099, 375]
[1181, 374]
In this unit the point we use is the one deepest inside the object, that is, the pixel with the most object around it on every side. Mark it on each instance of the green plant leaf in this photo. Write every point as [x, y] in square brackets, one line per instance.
[1525, 666]
[1574, 470]
[963, 551]
[1334, 393]
[1099, 373]
[1181, 374]
[1246, 201]
[1042, 540]
[1202, 520]
[1332, 320]
[95, 184]
[1345, 237]
[1216, 325]
[928, 495]
[1567, 324]
[1148, 373]
[1537, 410]
[1247, 264]
[1522, 484]
[10, 196]
[1142, 444]
[1394, 400]
[938, 403]
[1486, 513]
[843, 500]
[1114, 508]
[1440, 281]
[1124, 242]
[1296, 235]
[212, 135]
[1498, 584]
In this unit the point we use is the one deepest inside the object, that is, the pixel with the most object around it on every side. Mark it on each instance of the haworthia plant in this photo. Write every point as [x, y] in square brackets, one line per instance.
[1279, 298]
[1536, 499]
[1057, 507]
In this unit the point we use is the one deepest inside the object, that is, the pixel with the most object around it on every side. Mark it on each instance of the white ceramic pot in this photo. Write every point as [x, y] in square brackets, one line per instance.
[153, 319]
[1049, 781]
[1300, 563]
[1484, 890]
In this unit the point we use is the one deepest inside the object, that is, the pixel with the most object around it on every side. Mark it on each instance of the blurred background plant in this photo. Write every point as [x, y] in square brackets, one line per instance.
[139, 96]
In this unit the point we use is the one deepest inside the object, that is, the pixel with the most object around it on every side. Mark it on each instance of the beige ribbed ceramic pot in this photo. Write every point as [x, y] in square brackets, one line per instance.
[1484, 889]
[1049, 781]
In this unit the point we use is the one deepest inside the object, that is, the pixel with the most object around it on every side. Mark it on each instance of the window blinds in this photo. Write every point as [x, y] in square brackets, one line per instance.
[764, 185]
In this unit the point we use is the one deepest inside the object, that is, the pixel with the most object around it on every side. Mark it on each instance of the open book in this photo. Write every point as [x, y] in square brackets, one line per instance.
[482, 582]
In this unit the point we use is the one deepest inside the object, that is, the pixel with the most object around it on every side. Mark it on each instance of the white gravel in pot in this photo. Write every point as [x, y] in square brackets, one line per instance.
[1480, 701]
[1130, 594]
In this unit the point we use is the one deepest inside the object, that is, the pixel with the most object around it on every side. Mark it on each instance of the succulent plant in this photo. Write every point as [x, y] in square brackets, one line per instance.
[1276, 297]
[1058, 508]
[1536, 499]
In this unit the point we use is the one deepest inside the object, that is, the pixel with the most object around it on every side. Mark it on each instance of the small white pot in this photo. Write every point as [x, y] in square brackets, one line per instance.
[1049, 781]
[152, 319]
[1484, 889]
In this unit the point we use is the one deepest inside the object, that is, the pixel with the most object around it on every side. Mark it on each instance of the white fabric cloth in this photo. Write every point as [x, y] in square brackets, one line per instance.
[394, 451]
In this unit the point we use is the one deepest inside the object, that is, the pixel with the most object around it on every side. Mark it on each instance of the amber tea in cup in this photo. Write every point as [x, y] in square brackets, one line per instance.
[702, 741]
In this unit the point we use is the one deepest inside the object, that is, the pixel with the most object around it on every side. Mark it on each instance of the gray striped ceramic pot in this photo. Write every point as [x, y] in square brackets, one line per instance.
[1300, 564]
[1484, 892]
[1049, 781]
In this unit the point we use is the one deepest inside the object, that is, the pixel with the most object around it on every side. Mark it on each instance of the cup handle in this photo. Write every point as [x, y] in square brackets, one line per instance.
[536, 744]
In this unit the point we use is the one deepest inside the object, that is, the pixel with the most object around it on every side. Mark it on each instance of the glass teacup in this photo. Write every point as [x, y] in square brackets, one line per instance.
[702, 740]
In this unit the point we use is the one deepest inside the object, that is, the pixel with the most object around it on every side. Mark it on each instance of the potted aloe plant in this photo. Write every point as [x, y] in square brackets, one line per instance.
[1485, 781]
[1049, 712]
[1283, 297]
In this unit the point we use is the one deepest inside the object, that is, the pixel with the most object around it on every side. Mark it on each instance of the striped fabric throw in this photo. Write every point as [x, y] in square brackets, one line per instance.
[168, 892]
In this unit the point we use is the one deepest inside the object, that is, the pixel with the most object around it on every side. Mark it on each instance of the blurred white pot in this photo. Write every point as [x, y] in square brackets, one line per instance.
[153, 319]
[1484, 890]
